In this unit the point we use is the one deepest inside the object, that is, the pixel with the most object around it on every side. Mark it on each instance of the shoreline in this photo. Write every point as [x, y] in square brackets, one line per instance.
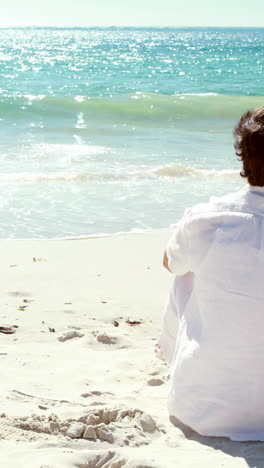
[92, 236]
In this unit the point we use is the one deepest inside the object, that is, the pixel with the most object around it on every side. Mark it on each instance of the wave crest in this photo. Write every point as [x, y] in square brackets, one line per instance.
[135, 108]
[177, 170]
[170, 170]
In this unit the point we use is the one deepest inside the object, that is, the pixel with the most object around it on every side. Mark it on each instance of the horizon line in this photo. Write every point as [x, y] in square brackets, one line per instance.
[127, 27]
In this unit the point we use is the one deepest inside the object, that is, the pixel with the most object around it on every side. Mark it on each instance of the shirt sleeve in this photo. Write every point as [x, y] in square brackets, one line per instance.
[178, 251]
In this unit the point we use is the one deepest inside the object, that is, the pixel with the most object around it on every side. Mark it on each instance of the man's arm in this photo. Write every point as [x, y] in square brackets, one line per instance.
[166, 261]
[177, 255]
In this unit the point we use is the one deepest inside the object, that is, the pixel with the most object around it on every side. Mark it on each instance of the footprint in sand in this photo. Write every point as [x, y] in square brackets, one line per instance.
[115, 341]
[95, 393]
[155, 382]
[111, 459]
[107, 339]
[19, 293]
[105, 459]
[69, 335]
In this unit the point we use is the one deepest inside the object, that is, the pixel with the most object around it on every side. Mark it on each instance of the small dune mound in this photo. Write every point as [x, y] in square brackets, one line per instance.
[116, 426]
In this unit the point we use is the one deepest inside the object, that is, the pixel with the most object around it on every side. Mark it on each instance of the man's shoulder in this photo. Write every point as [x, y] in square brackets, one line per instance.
[217, 211]
[216, 205]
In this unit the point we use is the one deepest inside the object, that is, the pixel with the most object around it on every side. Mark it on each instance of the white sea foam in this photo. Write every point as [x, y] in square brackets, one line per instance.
[21, 177]
[66, 149]
[177, 170]
[170, 170]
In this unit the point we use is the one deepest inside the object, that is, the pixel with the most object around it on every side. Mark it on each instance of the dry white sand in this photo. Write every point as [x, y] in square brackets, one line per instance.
[77, 389]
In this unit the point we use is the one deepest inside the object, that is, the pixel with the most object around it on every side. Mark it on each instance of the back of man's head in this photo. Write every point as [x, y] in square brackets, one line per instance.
[249, 145]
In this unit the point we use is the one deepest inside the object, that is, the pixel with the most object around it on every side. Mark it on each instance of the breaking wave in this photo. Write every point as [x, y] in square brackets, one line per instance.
[137, 108]
[171, 170]
[177, 170]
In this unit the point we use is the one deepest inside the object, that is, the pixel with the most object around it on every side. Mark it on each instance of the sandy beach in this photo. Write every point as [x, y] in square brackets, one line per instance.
[80, 384]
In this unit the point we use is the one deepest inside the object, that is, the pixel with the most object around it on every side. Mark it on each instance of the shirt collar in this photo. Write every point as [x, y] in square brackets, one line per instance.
[254, 188]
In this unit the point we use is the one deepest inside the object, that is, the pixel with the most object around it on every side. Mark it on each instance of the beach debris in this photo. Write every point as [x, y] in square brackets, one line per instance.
[69, 335]
[134, 322]
[11, 266]
[22, 307]
[116, 323]
[52, 330]
[39, 259]
[67, 303]
[7, 330]
[103, 302]
[28, 301]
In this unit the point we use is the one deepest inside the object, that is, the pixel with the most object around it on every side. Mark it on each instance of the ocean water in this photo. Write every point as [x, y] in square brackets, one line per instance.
[118, 130]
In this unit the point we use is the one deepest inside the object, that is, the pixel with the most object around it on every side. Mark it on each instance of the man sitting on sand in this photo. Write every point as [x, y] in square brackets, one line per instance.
[213, 326]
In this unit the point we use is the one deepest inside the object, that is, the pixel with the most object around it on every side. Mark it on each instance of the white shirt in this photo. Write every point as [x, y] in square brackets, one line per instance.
[213, 329]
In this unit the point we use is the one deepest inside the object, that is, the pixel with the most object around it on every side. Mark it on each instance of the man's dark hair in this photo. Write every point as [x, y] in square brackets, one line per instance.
[249, 145]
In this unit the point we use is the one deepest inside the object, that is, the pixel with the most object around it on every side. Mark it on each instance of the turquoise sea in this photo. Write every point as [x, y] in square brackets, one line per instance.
[115, 130]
